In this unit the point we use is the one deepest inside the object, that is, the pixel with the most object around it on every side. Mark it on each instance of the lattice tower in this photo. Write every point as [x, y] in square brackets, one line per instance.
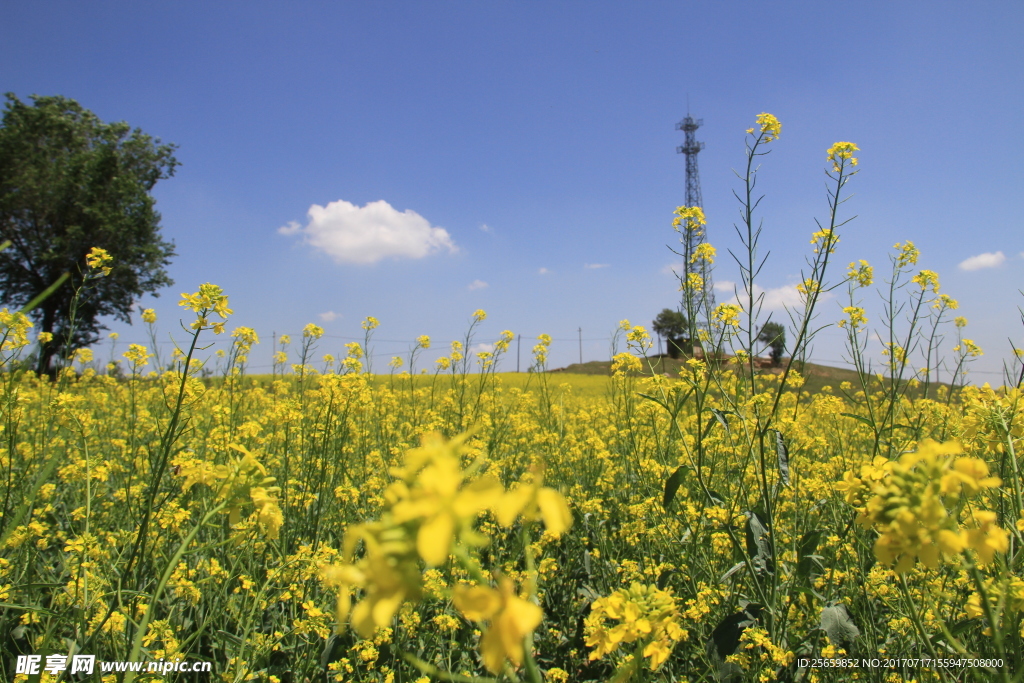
[692, 238]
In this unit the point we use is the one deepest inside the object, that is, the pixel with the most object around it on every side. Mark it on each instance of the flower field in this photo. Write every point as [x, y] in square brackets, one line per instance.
[328, 524]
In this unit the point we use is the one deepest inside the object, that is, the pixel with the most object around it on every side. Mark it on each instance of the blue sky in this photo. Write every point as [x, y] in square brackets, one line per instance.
[418, 161]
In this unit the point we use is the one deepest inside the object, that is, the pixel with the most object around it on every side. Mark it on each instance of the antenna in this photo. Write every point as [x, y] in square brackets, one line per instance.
[692, 238]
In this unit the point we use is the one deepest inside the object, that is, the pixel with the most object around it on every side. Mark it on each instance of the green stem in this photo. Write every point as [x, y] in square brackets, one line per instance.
[140, 633]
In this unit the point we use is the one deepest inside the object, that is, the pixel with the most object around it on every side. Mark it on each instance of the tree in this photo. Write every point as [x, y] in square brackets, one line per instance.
[774, 335]
[70, 182]
[672, 325]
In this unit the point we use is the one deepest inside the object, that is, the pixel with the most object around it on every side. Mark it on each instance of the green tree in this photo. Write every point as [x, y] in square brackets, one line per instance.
[70, 182]
[774, 335]
[672, 325]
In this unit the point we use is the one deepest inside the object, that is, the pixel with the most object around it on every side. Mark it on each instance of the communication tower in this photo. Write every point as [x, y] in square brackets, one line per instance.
[692, 238]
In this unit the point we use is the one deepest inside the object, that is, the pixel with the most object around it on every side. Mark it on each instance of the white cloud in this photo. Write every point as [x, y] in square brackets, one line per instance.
[486, 228]
[778, 298]
[543, 271]
[595, 265]
[725, 287]
[367, 234]
[775, 299]
[986, 260]
[481, 348]
[329, 316]
[478, 284]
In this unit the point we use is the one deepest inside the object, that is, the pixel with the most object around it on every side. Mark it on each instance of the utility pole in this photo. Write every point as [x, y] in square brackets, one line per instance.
[580, 331]
[519, 343]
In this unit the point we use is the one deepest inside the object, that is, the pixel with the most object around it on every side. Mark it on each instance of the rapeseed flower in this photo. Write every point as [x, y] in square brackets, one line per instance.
[861, 273]
[728, 314]
[769, 126]
[908, 254]
[432, 491]
[510, 618]
[689, 218]
[841, 152]
[927, 279]
[914, 505]
[138, 355]
[14, 330]
[641, 613]
[99, 260]
[704, 252]
[531, 500]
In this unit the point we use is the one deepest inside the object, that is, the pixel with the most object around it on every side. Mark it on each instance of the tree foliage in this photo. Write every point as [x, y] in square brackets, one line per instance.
[673, 326]
[70, 182]
[774, 335]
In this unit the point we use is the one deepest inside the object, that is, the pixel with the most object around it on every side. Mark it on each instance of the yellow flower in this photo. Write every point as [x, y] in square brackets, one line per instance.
[511, 619]
[861, 273]
[704, 252]
[808, 287]
[14, 330]
[423, 341]
[986, 537]
[531, 500]
[479, 315]
[99, 259]
[728, 314]
[908, 254]
[855, 317]
[825, 238]
[245, 336]
[312, 331]
[626, 362]
[432, 492]
[270, 516]
[694, 282]
[149, 316]
[370, 323]
[910, 503]
[770, 126]
[137, 354]
[209, 299]
[927, 279]
[689, 218]
[841, 152]
[641, 613]
[387, 573]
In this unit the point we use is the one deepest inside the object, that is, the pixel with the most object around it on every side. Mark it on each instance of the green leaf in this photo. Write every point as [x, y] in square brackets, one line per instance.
[858, 417]
[656, 400]
[716, 498]
[806, 559]
[759, 545]
[42, 296]
[725, 640]
[837, 623]
[720, 416]
[672, 485]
